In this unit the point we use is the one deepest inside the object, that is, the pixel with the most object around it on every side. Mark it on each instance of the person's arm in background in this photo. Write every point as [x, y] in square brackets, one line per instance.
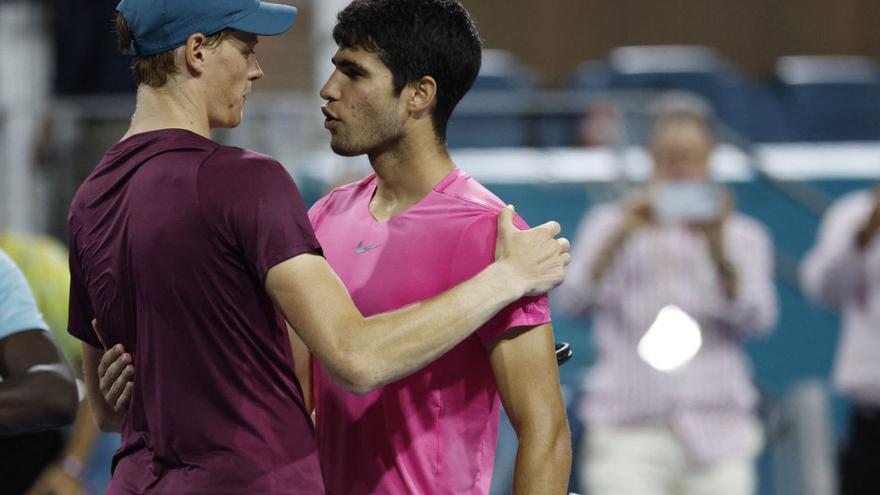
[743, 254]
[364, 353]
[66, 476]
[834, 269]
[524, 364]
[600, 234]
[43, 262]
[38, 390]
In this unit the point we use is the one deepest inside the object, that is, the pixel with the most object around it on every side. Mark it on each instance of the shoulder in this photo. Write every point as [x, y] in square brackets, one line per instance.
[231, 173]
[239, 161]
[745, 226]
[853, 204]
[7, 267]
[13, 285]
[342, 196]
[464, 190]
[472, 204]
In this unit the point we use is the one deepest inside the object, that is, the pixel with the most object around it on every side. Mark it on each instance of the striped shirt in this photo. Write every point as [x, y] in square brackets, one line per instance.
[837, 274]
[708, 401]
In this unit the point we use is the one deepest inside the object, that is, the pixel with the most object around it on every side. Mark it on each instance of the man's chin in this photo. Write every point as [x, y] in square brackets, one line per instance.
[344, 150]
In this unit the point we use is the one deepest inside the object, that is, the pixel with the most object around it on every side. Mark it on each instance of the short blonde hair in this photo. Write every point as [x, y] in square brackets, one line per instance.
[153, 70]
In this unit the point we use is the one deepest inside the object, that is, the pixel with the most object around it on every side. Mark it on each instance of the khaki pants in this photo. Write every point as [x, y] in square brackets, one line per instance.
[650, 460]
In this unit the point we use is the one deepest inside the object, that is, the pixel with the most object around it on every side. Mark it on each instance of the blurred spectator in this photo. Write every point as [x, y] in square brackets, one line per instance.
[65, 464]
[88, 113]
[600, 125]
[674, 280]
[843, 271]
[37, 390]
[25, 61]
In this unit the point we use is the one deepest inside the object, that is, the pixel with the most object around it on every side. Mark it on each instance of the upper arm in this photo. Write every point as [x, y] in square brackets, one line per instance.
[523, 361]
[315, 302]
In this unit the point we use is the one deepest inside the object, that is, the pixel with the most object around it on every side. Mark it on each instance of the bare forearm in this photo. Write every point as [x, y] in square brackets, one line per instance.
[34, 401]
[543, 463]
[395, 344]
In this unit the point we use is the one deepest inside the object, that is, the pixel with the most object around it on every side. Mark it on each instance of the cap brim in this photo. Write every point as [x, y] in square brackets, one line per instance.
[268, 20]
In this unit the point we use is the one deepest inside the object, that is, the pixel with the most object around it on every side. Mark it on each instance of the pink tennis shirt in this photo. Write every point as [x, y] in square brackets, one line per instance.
[434, 431]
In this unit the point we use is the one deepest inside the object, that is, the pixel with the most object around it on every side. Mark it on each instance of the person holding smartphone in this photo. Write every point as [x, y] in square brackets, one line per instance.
[672, 260]
[842, 271]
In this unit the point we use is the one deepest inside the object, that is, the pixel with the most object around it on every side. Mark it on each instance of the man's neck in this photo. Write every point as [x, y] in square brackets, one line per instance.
[405, 175]
[169, 108]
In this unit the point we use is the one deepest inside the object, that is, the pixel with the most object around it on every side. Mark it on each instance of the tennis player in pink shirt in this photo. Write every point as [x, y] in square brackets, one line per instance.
[411, 230]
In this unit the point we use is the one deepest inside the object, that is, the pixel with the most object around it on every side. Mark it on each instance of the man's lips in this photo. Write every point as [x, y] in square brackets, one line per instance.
[330, 120]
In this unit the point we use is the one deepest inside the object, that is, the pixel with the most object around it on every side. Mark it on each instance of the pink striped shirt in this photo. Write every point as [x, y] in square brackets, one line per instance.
[835, 273]
[709, 401]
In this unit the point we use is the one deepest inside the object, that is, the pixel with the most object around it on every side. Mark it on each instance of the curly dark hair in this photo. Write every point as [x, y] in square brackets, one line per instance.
[417, 38]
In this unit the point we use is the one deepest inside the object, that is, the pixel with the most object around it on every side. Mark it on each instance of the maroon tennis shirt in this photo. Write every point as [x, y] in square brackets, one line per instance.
[171, 238]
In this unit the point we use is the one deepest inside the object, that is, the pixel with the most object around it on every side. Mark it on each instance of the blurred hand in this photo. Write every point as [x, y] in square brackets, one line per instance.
[55, 481]
[536, 256]
[637, 214]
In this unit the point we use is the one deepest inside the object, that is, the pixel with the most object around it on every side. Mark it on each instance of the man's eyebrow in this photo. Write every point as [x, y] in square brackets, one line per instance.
[348, 64]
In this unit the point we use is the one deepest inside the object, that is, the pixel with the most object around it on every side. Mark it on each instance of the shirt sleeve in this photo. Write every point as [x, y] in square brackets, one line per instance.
[80, 312]
[578, 295]
[254, 204]
[18, 309]
[833, 271]
[476, 251]
[755, 309]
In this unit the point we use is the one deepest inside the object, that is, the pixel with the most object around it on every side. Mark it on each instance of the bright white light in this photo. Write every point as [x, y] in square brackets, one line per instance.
[673, 339]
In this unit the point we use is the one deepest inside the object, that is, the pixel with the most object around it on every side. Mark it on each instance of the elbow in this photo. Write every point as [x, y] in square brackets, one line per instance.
[355, 373]
[552, 434]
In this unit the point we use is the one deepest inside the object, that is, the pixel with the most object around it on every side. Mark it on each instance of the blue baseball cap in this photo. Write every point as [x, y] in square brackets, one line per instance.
[162, 25]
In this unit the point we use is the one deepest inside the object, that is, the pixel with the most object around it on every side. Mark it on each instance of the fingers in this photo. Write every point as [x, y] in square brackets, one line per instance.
[110, 357]
[564, 245]
[124, 398]
[117, 373]
[552, 228]
[505, 218]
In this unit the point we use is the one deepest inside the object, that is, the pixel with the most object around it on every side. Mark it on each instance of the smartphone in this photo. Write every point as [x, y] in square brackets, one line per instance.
[687, 201]
[563, 353]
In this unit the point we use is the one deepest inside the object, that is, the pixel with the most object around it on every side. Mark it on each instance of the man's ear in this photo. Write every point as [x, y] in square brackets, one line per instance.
[194, 53]
[423, 95]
